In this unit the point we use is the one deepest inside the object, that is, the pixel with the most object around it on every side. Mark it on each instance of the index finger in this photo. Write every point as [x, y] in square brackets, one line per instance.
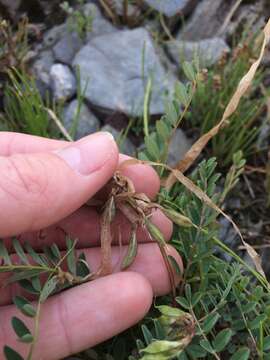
[144, 177]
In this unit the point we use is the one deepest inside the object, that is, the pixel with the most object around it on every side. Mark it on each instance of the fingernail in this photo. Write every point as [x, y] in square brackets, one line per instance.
[90, 153]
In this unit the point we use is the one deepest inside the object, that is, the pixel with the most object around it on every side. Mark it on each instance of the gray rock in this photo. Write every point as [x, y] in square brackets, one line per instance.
[100, 25]
[228, 236]
[206, 20]
[42, 66]
[248, 260]
[67, 47]
[67, 41]
[248, 16]
[126, 147]
[112, 65]
[208, 51]
[87, 121]
[41, 71]
[233, 203]
[63, 82]
[53, 35]
[264, 136]
[178, 148]
[227, 233]
[171, 7]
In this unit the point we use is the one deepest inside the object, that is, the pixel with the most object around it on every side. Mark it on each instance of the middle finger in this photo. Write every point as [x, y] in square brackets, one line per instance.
[148, 262]
[84, 225]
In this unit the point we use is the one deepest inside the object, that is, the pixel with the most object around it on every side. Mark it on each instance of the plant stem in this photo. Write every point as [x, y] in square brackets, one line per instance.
[147, 99]
[8, 268]
[257, 275]
[36, 331]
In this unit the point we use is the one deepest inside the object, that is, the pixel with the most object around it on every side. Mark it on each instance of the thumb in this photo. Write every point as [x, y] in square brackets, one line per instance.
[37, 190]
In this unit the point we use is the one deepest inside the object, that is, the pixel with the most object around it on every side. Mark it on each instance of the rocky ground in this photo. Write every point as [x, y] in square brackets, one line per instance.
[116, 57]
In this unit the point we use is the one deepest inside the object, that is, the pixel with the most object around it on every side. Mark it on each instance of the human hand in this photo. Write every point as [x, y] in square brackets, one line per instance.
[44, 185]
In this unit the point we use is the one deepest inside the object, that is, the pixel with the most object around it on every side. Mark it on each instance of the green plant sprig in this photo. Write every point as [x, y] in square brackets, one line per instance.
[78, 21]
[28, 268]
[157, 143]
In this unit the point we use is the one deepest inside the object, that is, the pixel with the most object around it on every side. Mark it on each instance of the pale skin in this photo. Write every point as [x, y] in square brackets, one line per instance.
[44, 184]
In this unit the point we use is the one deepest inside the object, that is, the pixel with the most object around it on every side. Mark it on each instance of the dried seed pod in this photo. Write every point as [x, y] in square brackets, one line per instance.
[106, 247]
[143, 204]
[132, 250]
[111, 210]
[106, 238]
[155, 233]
[177, 218]
[129, 212]
[124, 183]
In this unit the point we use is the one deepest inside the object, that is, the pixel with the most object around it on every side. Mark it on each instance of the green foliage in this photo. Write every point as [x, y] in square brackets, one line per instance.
[213, 94]
[23, 333]
[225, 305]
[230, 307]
[11, 354]
[157, 142]
[13, 45]
[80, 98]
[24, 109]
[41, 275]
[78, 20]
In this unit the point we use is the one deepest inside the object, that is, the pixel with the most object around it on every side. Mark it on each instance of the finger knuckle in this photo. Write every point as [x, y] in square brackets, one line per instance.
[24, 178]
